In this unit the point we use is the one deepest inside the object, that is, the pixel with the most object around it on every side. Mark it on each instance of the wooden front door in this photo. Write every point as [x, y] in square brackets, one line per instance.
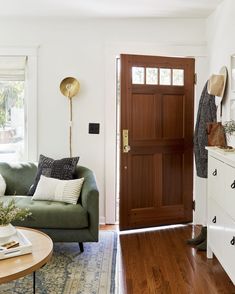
[156, 159]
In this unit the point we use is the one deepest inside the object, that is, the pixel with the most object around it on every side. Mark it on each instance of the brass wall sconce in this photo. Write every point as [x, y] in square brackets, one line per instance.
[70, 87]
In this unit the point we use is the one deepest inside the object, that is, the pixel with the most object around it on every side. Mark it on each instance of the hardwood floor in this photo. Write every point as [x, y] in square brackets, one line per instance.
[161, 262]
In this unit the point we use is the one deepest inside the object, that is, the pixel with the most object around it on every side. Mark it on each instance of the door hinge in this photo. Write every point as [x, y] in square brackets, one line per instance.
[195, 79]
[193, 205]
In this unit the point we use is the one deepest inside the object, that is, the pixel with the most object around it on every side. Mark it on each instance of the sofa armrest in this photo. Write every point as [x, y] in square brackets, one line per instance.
[90, 199]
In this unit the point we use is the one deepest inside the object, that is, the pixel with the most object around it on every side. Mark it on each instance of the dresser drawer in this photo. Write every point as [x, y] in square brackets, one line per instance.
[221, 237]
[216, 180]
[229, 248]
[215, 228]
[229, 199]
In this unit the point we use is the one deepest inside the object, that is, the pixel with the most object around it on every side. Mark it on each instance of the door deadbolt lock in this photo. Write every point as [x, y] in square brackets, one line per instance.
[126, 146]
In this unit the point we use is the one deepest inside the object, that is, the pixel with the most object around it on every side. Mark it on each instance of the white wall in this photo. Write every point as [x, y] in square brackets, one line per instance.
[79, 49]
[221, 45]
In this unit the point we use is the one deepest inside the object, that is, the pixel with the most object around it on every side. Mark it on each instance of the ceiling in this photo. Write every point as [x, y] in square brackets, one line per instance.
[108, 8]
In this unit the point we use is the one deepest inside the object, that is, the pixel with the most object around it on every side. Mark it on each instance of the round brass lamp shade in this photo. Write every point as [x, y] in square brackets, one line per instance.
[69, 87]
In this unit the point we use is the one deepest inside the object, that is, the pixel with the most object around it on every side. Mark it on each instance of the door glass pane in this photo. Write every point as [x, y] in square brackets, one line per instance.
[165, 76]
[151, 76]
[137, 75]
[178, 77]
[12, 122]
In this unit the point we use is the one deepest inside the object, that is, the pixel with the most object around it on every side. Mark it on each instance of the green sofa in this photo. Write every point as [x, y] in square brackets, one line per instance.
[61, 221]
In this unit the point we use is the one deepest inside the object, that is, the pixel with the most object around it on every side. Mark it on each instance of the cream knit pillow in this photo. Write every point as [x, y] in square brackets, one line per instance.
[58, 190]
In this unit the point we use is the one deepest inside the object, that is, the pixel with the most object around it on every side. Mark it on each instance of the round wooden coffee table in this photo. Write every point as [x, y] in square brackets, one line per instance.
[20, 266]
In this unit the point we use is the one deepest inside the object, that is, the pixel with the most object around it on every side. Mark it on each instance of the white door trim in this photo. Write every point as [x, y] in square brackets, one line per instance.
[113, 50]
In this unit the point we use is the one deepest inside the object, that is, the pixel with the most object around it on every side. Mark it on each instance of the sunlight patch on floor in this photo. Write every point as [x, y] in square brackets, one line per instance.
[127, 232]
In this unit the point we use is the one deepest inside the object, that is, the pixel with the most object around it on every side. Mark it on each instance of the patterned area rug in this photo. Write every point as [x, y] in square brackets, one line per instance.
[72, 272]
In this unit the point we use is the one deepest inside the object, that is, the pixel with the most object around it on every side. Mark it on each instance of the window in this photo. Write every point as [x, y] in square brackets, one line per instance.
[137, 75]
[165, 76]
[157, 76]
[12, 108]
[151, 76]
[178, 77]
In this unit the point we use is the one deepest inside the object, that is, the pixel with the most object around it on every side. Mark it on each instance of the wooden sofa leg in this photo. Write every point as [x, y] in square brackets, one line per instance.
[81, 246]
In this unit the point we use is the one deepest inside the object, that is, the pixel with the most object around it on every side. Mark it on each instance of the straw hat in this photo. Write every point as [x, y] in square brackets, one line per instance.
[217, 83]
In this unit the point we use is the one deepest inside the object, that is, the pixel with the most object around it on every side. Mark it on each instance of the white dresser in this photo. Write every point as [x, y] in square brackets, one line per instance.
[221, 209]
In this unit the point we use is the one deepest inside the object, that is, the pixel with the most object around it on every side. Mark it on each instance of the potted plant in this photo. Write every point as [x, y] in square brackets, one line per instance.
[8, 214]
[229, 128]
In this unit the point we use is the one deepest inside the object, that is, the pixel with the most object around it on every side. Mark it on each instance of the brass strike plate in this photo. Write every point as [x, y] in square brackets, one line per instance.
[126, 147]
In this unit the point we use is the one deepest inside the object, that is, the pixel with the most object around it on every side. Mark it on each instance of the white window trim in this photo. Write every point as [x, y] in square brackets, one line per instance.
[31, 145]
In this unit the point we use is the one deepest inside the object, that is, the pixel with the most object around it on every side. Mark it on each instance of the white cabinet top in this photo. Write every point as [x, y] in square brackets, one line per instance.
[220, 154]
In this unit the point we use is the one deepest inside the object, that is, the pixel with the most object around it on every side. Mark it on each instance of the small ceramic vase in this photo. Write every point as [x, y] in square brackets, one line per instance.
[6, 231]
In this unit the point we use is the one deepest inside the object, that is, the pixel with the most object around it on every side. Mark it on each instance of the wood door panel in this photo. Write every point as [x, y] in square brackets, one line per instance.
[172, 179]
[156, 175]
[157, 89]
[143, 117]
[142, 187]
[158, 213]
[158, 146]
[173, 116]
[146, 178]
[161, 216]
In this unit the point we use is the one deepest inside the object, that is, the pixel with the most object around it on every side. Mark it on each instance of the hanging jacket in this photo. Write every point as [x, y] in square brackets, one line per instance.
[206, 113]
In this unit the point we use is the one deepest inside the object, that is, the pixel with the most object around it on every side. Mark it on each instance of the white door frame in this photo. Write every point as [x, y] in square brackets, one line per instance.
[112, 51]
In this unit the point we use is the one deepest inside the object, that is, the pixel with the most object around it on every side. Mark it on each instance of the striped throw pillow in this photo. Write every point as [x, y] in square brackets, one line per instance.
[58, 190]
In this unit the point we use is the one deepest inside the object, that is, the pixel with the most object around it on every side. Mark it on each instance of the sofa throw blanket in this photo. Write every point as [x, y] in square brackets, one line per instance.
[206, 113]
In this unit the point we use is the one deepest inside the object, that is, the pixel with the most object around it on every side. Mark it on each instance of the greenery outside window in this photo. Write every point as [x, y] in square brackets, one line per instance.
[12, 108]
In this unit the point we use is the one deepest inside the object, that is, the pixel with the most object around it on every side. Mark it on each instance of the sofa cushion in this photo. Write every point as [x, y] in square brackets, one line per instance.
[50, 215]
[18, 176]
[62, 169]
[58, 190]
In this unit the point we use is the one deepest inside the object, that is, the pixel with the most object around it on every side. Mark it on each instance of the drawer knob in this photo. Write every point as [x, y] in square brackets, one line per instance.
[232, 242]
[214, 220]
[214, 173]
[233, 185]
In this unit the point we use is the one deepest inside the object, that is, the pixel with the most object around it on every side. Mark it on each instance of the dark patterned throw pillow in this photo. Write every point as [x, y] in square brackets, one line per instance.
[62, 169]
